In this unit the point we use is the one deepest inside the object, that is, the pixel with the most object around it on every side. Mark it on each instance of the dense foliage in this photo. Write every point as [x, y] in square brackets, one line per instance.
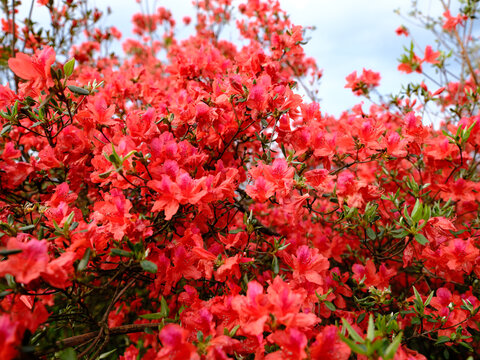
[185, 202]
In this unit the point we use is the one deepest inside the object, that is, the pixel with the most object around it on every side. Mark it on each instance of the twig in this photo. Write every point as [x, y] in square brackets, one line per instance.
[84, 338]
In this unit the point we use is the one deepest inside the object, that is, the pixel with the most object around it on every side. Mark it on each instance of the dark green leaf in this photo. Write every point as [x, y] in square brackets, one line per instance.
[6, 128]
[27, 227]
[5, 293]
[152, 316]
[164, 309]
[442, 340]
[7, 252]
[149, 266]
[330, 306]
[360, 318]
[82, 265]
[371, 234]
[78, 90]
[235, 231]
[275, 266]
[356, 348]
[466, 345]
[120, 252]
[422, 240]
[148, 331]
[68, 354]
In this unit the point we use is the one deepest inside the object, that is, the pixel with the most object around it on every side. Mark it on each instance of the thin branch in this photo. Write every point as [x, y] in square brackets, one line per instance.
[84, 338]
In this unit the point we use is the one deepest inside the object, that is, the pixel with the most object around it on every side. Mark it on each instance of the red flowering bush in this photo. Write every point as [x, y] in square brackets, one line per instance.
[185, 202]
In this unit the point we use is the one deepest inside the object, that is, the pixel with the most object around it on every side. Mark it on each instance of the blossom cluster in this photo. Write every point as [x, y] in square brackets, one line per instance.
[193, 205]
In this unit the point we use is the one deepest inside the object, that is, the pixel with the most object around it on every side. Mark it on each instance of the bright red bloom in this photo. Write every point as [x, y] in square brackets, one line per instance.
[402, 30]
[59, 270]
[114, 213]
[101, 112]
[308, 265]
[396, 145]
[451, 22]
[370, 277]
[319, 179]
[252, 309]
[30, 263]
[35, 68]
[175, 345]
[9, 338]
[292, 343]
[329, 346]
[460, 255]
[431, 56]
[364, 83]
[411, 64]
[261, 190]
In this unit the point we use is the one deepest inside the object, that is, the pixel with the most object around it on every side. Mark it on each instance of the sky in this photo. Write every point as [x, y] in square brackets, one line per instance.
[350, 35]
[355, 34]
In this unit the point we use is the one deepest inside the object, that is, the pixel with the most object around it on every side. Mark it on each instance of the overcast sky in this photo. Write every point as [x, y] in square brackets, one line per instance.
[349, 35]
[353, 34]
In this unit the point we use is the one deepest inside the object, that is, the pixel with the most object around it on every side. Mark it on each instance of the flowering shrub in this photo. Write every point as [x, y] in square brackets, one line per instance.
[186, 202]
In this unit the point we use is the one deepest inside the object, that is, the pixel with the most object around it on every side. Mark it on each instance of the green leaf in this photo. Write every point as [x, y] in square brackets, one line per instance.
[356, 348]
[371, 328]
[235, 231]
[5, 293]
[415, 321]
[55, 225]
[417, 211]
[417, 295]
[275, 266]
[68, 67]
[149, 266]
[164, 309]
[392, 348]
[371, 234]
[419, 301]
[105, 175]
[68, 354]
[360, 318]
[352, 332]
[422, 240]
[105, 354]
[6, 128]
[120, 252]
[427, 302]
[466, 132]
[234, 331]
[7, 252]
[82, 265]
[152, 316]
[442, 340]
[466, 345]
[70, 218]
[27, 227]
[399, 233]
[427, 212]
[330, 306]
[405, 214]
[78, 90]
